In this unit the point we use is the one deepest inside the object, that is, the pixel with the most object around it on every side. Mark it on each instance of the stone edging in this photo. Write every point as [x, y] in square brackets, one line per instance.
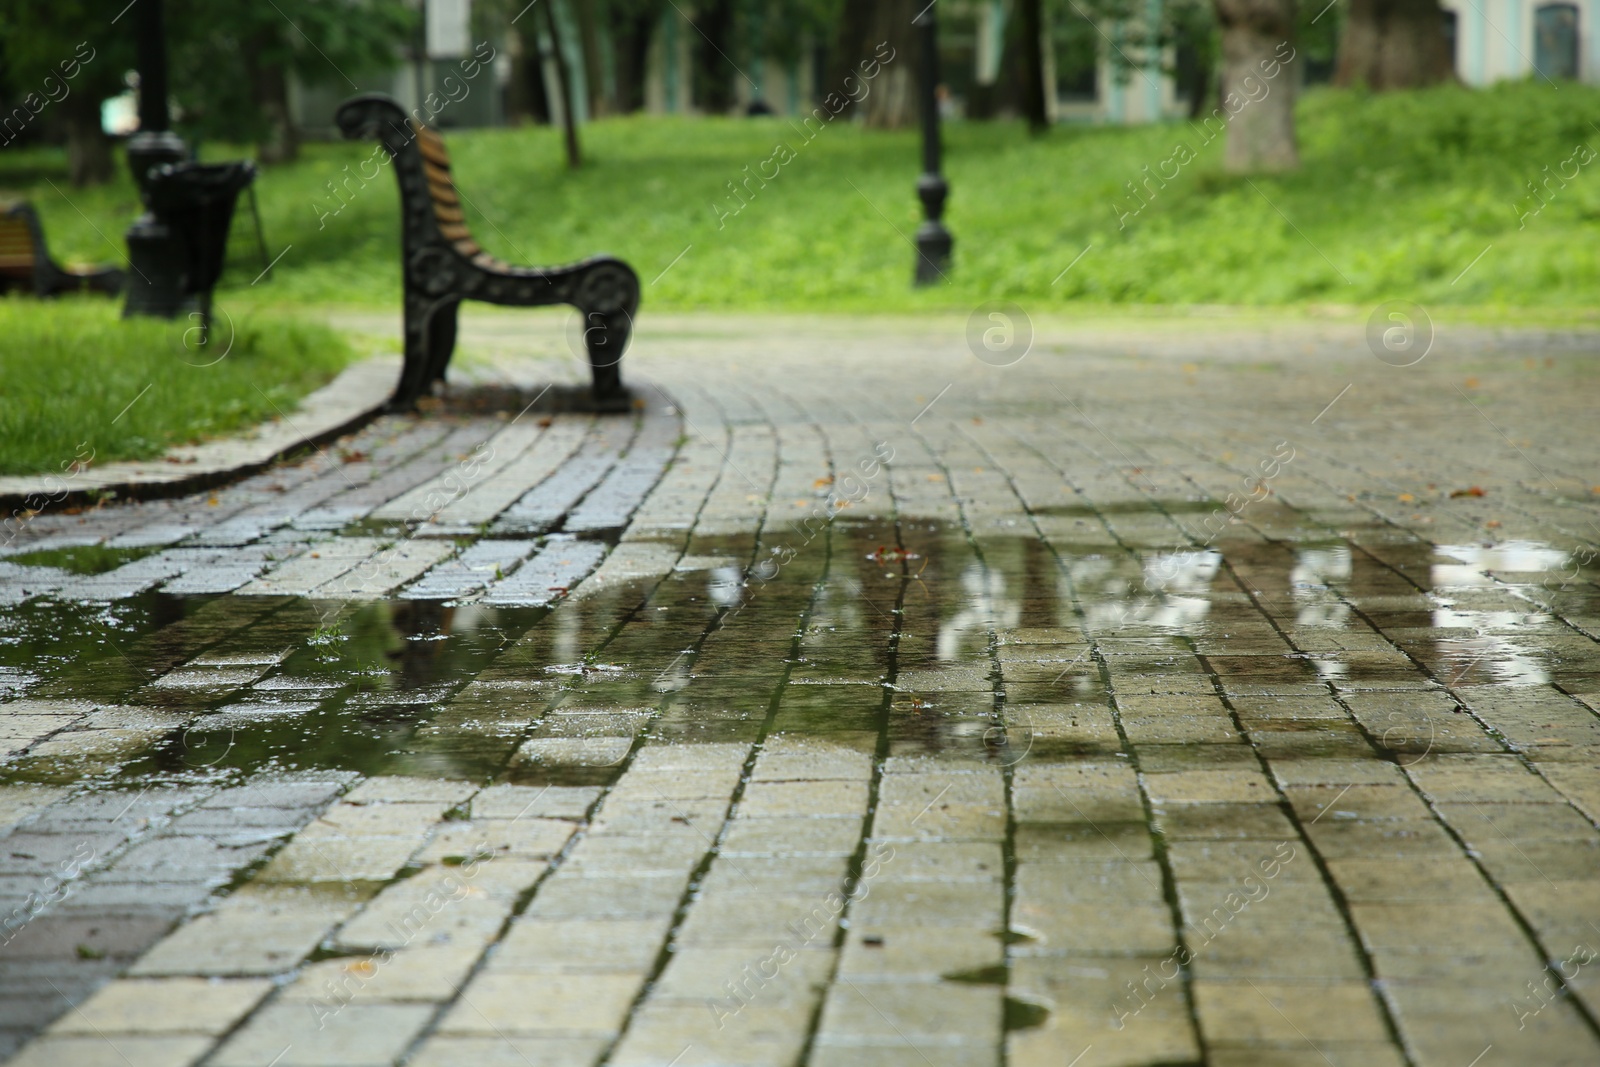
[348, 402]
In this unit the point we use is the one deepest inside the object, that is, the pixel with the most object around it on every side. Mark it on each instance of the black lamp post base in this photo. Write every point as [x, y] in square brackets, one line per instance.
[933, 252]
[933, 240]
[156, 259]
[157, 264]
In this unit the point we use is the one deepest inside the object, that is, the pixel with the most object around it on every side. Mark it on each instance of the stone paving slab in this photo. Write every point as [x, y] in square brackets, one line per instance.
[1184, 692]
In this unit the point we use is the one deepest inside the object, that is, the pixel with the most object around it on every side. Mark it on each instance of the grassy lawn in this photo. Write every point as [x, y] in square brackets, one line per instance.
[77, 383]
[1422, 197]
[1398, 195]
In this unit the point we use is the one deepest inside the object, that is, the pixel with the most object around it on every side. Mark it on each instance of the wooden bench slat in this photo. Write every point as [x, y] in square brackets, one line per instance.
[433, 149]
[25, 259]
[438, 175]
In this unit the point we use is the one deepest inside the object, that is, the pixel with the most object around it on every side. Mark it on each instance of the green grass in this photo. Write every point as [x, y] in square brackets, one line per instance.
[77, 383]
[1398, 194]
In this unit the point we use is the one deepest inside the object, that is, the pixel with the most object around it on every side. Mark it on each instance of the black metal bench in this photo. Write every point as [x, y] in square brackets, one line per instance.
[25, 261]
[443, 265]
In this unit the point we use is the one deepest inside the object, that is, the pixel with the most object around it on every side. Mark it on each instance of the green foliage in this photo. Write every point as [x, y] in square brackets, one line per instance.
[221, 52]
[220, 55]
[1398, 193]
[38, 37]
[70, 369]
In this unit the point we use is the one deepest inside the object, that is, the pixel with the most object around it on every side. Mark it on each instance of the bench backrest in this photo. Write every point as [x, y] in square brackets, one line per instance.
[18, 250]
[442, 191]
[430, 206]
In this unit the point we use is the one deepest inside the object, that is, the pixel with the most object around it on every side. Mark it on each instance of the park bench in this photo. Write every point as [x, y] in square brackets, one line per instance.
[442, 265]
[25, 261]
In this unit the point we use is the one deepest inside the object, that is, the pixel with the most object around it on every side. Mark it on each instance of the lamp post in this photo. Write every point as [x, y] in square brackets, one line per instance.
[155, 281]
[933, 240]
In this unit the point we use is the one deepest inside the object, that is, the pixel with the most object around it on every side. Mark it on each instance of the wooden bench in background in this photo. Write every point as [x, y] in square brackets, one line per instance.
[25, 261]
[443, 265]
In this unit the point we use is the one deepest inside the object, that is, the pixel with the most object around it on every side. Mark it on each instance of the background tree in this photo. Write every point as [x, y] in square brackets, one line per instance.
[1256, 35]
[569, 118]
[712, 50]
[231, 63]
[588, 14]
[1180, 43]
[633, 25]
[39, 38]
[1394, 44]
[1031, 42]
[862, 27]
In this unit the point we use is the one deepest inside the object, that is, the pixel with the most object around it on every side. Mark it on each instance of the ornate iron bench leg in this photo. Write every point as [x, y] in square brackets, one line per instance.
[607, 294]
[606, 337]
[420, 355]
[441, 340]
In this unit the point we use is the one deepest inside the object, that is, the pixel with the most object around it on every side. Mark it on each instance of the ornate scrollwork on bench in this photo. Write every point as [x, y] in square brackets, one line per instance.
[442, 264]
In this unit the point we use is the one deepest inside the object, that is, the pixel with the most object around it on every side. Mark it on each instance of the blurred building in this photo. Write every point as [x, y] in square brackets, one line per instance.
[1101, 71]
[1499, 39]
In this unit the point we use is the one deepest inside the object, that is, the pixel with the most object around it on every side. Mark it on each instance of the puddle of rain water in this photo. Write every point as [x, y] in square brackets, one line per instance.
[359, 686]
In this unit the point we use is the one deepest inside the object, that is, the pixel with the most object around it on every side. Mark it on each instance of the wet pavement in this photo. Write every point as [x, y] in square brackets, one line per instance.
[1180, 693]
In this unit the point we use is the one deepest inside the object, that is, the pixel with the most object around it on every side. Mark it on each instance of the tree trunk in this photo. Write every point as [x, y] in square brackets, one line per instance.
[1030, 68]
[891, 102]
[270, 86]
[88, 149]
[594, 79]
[1257, 84]
[1394, 44]
[630, 38]
[525, 95]
[852, 44]
[569, 121]
[713, 51]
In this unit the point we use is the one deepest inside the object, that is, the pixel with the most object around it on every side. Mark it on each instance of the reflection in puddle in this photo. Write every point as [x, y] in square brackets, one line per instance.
[1169, 593]
[1314, 582]
[231, 685]
[982, 607]
[726, 586]
[1498, 653]
[1476, 563]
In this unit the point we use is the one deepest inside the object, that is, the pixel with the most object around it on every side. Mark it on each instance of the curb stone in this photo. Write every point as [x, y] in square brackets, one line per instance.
[356, 396]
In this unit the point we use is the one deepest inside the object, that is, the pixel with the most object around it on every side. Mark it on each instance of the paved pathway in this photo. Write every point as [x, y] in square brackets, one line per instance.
[1176, 694]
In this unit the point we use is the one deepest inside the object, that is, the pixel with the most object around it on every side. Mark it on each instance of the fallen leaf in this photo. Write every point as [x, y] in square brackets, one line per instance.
[1406, 498]
[1472, 383]
[212, 501]
[1471, 490]
[1493, 524]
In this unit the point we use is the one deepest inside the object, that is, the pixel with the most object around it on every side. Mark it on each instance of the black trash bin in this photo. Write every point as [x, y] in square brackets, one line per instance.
[191, 209]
